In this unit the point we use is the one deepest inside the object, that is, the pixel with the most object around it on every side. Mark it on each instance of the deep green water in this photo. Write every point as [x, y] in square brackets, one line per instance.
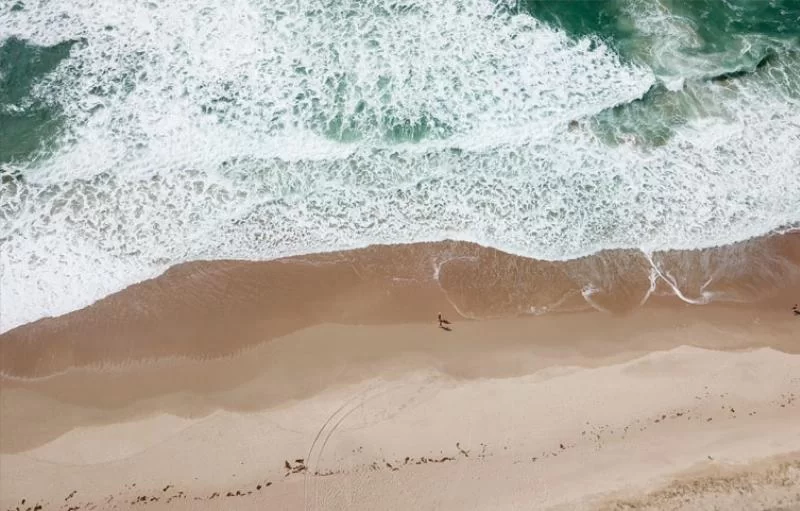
[730, 39]
[719, 24]
[27, 123]
[749, 40]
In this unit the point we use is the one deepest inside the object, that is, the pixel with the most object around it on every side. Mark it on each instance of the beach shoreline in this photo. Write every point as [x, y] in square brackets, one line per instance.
[146, 399]
[346, 256]
[208, 309]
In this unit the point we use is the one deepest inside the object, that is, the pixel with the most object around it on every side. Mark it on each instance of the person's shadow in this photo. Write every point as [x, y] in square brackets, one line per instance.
[446, 328]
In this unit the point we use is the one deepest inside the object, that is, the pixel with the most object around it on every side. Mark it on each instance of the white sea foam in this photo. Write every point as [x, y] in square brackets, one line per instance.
[206, 129]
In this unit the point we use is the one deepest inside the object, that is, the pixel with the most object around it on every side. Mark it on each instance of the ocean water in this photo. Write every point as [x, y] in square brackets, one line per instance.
[138, 134]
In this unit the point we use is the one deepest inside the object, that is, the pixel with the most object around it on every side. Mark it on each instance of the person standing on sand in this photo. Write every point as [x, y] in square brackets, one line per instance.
[794, 309]
[442, 321]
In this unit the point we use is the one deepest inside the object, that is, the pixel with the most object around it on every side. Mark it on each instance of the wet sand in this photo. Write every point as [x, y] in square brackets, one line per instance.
[323, 382]
[214, 308]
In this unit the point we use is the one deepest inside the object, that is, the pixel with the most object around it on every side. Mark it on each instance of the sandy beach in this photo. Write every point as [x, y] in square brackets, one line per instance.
[230, 230]
[357, 400]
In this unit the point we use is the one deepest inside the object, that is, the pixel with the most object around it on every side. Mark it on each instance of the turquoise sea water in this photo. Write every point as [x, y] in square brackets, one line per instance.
[139, 134]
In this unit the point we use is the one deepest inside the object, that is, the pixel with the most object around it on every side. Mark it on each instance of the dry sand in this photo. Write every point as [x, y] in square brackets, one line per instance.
[421, 427]
[666, 406]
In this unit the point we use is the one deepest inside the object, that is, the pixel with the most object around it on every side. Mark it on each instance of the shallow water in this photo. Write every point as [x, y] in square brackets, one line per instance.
[140, 135]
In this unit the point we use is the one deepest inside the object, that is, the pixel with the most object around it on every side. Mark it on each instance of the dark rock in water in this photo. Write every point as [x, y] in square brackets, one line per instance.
[739, 73]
